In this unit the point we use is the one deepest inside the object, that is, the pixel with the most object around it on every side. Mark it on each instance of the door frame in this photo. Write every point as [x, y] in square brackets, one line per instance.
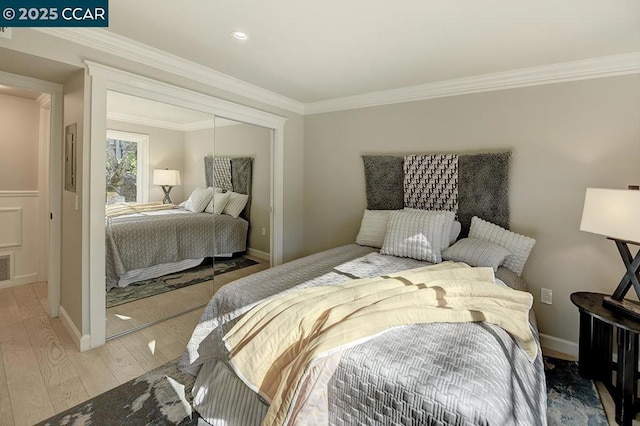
[104, 78]
[55, 91]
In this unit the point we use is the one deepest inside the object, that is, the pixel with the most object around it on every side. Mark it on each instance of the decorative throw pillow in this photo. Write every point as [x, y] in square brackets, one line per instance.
[199, 199]
[373, 228]
[446, 232]
[236, 204]
[218, 203]
[518, 245]
[418, 236]
[475, 252]
[456, 228]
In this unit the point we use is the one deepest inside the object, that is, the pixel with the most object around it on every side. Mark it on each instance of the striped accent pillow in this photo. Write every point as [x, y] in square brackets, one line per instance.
[417, 236]
[236, 204]
[199, 199]
[446, 233]
[518, 245]
[475, 252]
[373, 228]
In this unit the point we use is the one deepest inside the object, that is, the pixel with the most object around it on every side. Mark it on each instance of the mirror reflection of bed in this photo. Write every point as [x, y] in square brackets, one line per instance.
[173, 236]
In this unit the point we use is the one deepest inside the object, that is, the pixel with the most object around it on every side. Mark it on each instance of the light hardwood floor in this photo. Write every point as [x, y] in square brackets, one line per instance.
[42, 372]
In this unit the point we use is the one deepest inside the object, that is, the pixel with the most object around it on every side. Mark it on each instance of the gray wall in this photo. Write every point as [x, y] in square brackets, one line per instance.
[20, 124]
[564, 137]
[197, 145]
[71, 280]
[166, 151]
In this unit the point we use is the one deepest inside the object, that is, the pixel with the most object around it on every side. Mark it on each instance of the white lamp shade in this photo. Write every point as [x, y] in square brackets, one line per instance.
[614, 213]
[166, 177]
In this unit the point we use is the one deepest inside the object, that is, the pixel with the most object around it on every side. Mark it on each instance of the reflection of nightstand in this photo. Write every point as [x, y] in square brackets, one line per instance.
[597, 324]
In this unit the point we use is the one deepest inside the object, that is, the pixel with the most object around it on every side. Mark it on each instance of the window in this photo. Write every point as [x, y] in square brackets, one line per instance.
[127, 167]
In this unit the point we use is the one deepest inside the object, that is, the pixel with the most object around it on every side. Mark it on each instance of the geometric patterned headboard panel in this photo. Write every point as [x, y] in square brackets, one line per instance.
[241, 176]
[478, 185]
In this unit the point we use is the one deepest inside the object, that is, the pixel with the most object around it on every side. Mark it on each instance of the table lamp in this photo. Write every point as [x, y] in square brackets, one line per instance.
[167, 179]
[615, 213]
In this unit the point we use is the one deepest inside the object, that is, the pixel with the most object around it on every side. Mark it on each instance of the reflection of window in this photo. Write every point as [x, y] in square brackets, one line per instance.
[127, 167]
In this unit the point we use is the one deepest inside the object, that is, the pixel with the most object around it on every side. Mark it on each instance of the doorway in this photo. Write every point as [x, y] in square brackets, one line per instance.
[47, 195]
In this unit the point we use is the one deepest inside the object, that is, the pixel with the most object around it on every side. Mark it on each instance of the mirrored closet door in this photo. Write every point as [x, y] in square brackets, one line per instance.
[242, 178]
[159, 212]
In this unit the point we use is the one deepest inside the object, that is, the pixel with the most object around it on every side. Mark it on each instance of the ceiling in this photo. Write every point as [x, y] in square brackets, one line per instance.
[36, 67]
[21, 93]
[313, 51]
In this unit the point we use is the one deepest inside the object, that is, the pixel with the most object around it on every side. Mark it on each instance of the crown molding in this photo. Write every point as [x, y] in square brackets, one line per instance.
[108, 42]
[605, 66]
[114, 44]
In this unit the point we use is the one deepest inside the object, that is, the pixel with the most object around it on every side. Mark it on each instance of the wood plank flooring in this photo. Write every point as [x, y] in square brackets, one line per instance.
[129, 315]
[43, 373]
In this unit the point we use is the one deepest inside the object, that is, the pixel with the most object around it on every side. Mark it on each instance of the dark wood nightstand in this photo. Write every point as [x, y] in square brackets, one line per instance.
[597, 324]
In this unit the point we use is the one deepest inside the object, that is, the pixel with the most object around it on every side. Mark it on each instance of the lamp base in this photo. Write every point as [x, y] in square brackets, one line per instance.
[624, 307]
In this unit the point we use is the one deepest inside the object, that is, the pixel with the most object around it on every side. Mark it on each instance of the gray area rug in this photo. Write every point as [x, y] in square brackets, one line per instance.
[163, 397]
[571, 399]
[201, 273]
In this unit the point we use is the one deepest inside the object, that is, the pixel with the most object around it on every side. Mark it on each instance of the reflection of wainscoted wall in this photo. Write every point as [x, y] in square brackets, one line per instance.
[19, 230]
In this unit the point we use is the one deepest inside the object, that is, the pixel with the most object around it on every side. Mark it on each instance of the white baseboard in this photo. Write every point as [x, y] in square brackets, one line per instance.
[20, 280]
[83, 342]
[258, 253]
[561, 345]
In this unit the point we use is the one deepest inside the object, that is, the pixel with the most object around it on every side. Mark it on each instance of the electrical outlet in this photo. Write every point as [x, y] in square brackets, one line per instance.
[546, 296]
[264, 231]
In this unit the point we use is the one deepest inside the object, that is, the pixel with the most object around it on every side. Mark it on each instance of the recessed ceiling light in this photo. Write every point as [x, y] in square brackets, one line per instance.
[239, 35]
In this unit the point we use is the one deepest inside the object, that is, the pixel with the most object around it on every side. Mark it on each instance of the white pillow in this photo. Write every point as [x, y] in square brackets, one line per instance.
[518, 245]
[418, 236]
[236, 204]
[456, 228]
[475, 252]
[218, 203]
[373, 228]
[446, 232]
[199, 199]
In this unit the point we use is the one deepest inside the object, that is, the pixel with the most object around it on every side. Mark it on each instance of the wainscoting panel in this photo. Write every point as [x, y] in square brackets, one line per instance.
[20, 236]
[10, 226]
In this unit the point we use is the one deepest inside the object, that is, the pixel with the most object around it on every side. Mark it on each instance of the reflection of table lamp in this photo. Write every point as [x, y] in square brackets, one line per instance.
[615, 213]
[167, 179]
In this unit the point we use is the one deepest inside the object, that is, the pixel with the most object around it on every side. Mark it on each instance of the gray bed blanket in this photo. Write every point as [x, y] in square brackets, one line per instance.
[142, 240]
[461, 374]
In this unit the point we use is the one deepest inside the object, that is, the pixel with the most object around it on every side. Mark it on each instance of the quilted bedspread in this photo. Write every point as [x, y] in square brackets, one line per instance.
[142, 240]
[444, 373]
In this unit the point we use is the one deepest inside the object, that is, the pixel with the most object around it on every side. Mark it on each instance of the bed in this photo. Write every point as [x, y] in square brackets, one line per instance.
[429, 373]
[152, 242]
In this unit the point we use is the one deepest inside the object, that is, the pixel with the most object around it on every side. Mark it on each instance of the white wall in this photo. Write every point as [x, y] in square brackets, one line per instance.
[19, 121]
[20, 222]
[564, 137]
[166, 151]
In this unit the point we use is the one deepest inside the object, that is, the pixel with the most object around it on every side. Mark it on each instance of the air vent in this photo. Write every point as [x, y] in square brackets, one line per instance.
[5, 267]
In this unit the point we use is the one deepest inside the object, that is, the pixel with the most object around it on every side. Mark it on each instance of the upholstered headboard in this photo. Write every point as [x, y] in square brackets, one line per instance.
[468, 184]
[231, 174]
